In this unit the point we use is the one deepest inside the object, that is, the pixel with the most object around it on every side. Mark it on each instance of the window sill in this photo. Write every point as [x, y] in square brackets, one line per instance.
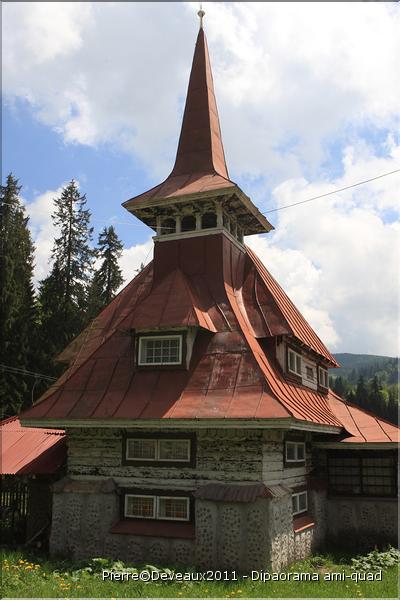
[302, 522]
[154, 528]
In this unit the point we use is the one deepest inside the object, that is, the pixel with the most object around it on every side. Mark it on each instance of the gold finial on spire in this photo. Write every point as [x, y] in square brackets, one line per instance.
[201, 14]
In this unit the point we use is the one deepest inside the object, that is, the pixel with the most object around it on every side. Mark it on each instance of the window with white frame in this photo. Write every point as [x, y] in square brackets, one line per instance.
[299, 503]
[160, 350]
[169, 508]
[295, 452]
[294, 362]
[323, 379]
[141, 507]
[158, 450]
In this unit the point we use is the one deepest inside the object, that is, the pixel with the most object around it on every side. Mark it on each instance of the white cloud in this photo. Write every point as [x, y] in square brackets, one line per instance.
[294, 82]
[132, 258]
[42, 229]
[290, 77]
[337, 258]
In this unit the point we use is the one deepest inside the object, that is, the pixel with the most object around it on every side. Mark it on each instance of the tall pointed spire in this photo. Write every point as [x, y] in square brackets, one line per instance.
[200, 148]
[199, 184]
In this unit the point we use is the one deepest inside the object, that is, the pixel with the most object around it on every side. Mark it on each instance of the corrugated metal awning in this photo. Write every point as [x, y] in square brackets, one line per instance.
[30, 450]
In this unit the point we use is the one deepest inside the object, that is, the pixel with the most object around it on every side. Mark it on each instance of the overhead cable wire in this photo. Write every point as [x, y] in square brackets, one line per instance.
[21, 371]
[332, 192]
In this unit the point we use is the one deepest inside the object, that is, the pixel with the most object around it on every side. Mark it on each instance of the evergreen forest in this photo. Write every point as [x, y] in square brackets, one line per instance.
[37, 324]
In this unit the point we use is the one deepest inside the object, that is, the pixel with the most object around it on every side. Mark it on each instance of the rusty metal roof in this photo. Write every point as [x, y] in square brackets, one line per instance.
[200, 160]
[233, 373]
[200, 146]
[29, 450]
[363, 426]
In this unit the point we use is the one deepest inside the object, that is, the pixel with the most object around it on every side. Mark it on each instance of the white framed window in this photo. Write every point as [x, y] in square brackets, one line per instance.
[299, 502]
[295, 452]
[158, 450]
[142, 507]
[160, 350]
[173, 508]
[323, 378]
[174, 450]
[294, 362]
[141, 449]
[169, 508]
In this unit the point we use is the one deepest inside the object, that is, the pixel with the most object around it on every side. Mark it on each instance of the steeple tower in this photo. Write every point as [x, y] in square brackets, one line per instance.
[200, 148]
[198, 198]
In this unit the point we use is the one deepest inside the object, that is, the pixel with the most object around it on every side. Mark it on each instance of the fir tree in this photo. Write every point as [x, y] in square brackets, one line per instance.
[393, 405]
[376, 402]
[108, 278]
[361, 393]
[17, 303]
[63, 294]
[339, 387]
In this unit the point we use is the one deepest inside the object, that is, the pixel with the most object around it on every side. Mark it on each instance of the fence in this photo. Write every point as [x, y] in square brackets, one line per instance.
[14, 508]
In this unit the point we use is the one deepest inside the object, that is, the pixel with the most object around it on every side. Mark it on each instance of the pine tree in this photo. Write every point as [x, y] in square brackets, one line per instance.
[361, 394]
[63, 294]
[376, 402]
[393, 405]
[339, 387]
[108, 278]
[17, 302]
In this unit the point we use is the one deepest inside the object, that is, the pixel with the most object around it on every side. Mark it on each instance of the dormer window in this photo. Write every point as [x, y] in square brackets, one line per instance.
[323, 378]
[294, 362]
[160, 350]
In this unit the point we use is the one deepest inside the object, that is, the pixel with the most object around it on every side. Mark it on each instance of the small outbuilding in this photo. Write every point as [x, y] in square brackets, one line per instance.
[31, 460]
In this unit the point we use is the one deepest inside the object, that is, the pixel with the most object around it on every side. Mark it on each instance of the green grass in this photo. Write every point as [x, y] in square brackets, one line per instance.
[25, 575]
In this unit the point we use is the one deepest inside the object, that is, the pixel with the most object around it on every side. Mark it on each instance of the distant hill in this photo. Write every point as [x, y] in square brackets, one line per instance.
[367, 365]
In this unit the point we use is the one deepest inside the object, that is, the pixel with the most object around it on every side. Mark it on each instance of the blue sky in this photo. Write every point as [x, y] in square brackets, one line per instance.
[41, 160]
[308, 102]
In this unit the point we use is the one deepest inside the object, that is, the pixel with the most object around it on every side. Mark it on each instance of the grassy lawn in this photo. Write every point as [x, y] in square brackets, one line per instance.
[25, 575]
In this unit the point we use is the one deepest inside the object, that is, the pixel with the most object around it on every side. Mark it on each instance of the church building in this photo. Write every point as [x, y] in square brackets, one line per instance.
[200, 426]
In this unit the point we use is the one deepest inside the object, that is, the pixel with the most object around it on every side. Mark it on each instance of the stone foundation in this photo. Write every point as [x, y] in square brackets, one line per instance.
[240, 536]
[362, 523]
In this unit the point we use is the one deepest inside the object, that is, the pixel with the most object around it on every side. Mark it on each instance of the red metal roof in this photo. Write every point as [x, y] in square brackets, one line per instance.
[363, 426]
[296, 323]
[200, 146]
[29, 450]
[233, 373]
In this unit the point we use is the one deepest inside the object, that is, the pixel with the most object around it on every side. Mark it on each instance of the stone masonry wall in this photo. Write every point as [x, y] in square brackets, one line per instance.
[81, 528]
[232, 535]
[362, 522]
